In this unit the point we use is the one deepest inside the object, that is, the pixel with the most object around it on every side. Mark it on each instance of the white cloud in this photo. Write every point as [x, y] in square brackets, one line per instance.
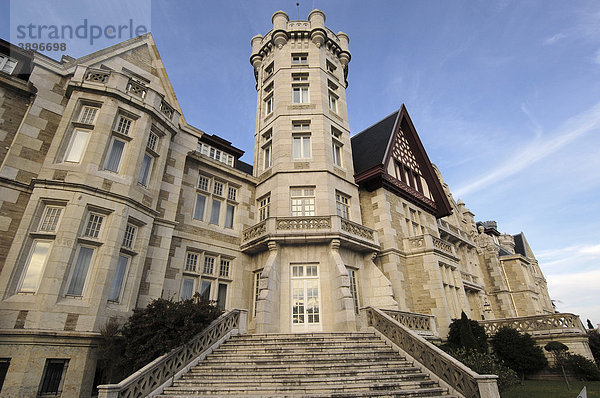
[596, 58]
[577, 293]
[554, 39]
[537, 149]
[579, 256]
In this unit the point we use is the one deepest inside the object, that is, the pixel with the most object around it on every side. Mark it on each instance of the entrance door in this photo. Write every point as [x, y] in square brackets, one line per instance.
[306, 300]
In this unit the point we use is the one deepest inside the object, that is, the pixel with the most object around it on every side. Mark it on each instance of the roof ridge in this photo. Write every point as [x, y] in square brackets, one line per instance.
[377, 122]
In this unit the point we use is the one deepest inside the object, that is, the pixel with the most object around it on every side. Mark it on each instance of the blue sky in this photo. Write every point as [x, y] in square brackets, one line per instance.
[504, 94]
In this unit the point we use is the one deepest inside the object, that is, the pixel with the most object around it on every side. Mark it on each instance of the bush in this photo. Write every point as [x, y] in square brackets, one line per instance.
[582, 367]
[466, 333]
[594, 341]
[483, 363]
[151, 332]
[518, 351]
[558, 350]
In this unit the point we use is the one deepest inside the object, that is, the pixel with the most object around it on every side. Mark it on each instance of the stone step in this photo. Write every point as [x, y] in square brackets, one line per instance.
[306, 389]
[234, 380]
[339, 354]
[290, 372]
[292, 345]
[282, 362]
[429, 393]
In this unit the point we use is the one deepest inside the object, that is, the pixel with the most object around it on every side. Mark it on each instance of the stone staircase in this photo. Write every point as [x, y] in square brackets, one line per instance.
[353, 364]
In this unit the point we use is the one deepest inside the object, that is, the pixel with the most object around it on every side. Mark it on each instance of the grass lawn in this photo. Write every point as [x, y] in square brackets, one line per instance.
[552, 389]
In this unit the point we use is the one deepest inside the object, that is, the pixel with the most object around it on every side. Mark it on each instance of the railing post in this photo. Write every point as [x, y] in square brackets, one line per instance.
[243, 325]
[108, 391]
[488, 386]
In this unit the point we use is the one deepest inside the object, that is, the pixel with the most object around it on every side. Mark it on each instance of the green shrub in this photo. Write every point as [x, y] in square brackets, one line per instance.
[518, 351]
[483, 363]
[558, 350]
[151, 332]
[466, 333]
[582, 367]
[594, 342]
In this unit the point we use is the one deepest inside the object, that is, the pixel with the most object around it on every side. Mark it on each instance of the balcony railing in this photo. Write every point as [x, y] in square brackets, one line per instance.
[303, 223]
[429, 242]
[455, 233]
[161, 372]
[537, 324]
[309, 227]
[450, 370]
[120, 83]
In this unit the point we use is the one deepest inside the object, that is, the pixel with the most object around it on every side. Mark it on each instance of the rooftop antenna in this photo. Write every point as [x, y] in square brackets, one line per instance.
[313, 4]
[298, 5]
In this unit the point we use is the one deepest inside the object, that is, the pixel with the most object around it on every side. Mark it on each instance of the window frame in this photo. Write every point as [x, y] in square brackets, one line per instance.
[298, 152]
[5, 60]
[109, 152]
[43, 381]
[55, 222]
[269, 104]
[264, 209]
[75, 266]
[128, 122]
[27, 266]
[303, 94]
[342, 205]
[70, 148]
[121, 287]
[84, 118]
[304, 202]
[299, 58]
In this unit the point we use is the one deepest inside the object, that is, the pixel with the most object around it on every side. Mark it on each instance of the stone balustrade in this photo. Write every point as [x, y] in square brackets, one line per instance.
[122, 84]
[451, 371]
[454, 233]
[422, 324]
[161, 372]
[560, 323]
[310, 227]
[426, 242]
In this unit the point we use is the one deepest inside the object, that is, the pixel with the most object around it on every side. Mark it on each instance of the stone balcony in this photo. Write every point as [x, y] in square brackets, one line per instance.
[471, 282]
[116, 84]
[317, 229]
[453, 234]
[428, 243]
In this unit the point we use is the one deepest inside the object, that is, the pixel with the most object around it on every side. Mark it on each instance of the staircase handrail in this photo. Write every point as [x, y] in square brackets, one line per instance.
[160, 373]
[455, 373]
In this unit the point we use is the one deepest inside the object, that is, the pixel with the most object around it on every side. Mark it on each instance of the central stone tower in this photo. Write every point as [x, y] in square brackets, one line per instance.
[311, 256]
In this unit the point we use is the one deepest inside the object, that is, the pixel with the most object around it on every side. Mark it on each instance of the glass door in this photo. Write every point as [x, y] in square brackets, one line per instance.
[305, 298]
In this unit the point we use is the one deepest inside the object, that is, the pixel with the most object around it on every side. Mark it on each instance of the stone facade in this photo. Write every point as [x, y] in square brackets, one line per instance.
[109, 199]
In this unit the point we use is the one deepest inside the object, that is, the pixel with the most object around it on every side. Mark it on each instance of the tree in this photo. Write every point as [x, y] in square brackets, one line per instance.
[594, 342]
[589, 325]
[518, 351]
[466, 333]
[151, 332]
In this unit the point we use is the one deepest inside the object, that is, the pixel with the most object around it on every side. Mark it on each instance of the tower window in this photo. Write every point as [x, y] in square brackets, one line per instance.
[264, 207]
[330, 67]
[333, 100]
[301, 146]
[88, 115]
[342, 205]
[268, 155]
[302, 202]
[269, 70]
[300, 94]
[300, 59]
[299, 77]
[301, 125]
[269, 105]
[123, 125]
[79, 140]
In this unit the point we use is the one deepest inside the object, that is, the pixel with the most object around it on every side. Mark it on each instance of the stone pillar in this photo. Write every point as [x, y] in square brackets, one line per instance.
[267, 305]
[344, 317]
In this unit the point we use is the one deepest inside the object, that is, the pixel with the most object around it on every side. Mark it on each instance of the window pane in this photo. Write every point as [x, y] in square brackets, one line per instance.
[35, 266]
[94, 224]
[145, 170]
[229, 216]
[296, 148]
[50, 219]
[117, 283]
[216, 209]
[205, 289]
[52, 377]
[187, 289]
[306, 146]
[114, 158]
[222, 296]
[199, 209]
[80, 272]
[77, 146]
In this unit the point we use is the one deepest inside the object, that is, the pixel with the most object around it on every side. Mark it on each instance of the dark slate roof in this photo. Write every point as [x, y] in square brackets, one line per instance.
[368, 146]
[503, 252]
[243, 166]
[522, 246]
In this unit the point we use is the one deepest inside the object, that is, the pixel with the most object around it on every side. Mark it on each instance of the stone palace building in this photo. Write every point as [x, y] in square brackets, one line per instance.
[110, 199]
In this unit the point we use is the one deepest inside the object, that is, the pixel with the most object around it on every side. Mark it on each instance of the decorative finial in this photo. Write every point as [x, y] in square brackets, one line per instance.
[298, 5]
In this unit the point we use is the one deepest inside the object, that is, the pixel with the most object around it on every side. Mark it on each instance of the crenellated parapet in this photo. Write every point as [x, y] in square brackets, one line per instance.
[285, 31]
